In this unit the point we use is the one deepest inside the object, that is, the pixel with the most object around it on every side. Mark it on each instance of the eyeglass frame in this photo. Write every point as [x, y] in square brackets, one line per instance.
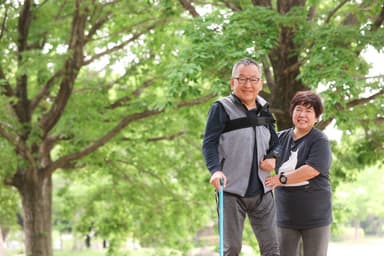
[245, 80]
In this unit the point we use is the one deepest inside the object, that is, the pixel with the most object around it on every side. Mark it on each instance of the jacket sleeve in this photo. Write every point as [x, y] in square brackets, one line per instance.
[217, 117]
[274, 145]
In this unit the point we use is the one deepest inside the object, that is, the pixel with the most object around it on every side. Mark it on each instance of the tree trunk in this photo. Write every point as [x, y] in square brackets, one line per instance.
[36, 195]
[1, 243]
[88, 241]
[285, 61]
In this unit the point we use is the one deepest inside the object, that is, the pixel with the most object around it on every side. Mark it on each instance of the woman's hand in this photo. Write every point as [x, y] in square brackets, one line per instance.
[273, 181]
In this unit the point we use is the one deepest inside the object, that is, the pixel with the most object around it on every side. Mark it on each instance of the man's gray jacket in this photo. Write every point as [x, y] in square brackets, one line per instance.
[236, 147]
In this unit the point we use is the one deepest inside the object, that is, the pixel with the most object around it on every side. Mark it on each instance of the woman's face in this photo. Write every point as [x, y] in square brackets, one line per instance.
[304, 117]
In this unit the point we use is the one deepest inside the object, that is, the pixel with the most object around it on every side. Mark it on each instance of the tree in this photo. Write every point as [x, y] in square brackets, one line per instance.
[147, 187]
[62, 98]
[360, 199]
[8, 211]
[302, 45]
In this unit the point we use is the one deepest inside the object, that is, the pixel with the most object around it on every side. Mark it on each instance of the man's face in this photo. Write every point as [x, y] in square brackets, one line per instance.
[246, 84]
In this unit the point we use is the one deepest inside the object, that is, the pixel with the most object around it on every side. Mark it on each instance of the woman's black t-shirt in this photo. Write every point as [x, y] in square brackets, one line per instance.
[305, 205]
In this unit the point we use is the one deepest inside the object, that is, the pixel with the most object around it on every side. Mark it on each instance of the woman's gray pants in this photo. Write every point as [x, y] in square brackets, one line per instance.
[315, 241]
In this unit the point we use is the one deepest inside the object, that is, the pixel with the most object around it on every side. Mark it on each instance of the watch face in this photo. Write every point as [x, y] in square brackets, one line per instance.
[283, 179]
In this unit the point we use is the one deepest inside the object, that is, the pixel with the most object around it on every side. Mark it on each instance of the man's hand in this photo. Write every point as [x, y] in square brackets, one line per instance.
[215, 179]
[268, 164]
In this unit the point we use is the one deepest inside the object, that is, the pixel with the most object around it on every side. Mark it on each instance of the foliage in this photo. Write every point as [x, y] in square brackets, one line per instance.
[155, 195]
[315, 46]
[114, 95]
[359, 200]
[356, 152]
[87, 87]
[9, 208]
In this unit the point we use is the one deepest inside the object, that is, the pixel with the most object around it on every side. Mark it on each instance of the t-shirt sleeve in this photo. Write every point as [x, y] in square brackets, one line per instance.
[320, 156]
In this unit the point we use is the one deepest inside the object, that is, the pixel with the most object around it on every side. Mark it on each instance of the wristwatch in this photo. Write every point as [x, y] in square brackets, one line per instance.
[282, 178]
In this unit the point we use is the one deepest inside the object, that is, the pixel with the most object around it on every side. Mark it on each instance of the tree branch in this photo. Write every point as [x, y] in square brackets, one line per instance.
[234, 7]
[64, 160]
[3, 23]
[379, 20]
[324, 123]
[23, 25]
[22, 104]
[122, 44]
[6, 87]
[373, 77]
[166, 137]
[365, 100]
[45, 90]
[379, 120]
[311, 13]
[265, 3]
[196, 101]
[96, 26]
[294, 68]
[189, 7]
[144, 171]
[136, 93]
[271, 83]
[71, 69]
[334, 10]
[17, 143]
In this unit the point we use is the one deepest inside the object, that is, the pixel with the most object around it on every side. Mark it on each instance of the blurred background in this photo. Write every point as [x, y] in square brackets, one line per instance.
[103, 105]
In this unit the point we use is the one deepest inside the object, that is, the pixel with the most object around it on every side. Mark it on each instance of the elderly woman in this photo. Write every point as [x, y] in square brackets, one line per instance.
[302, 186]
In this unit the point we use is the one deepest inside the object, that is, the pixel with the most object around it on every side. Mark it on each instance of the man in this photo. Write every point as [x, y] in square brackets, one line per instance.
[240, 145]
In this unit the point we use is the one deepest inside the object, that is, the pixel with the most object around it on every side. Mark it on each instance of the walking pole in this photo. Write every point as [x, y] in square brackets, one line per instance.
[221, 218]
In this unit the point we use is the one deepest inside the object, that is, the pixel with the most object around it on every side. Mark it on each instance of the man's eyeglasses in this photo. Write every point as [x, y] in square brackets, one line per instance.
[243, 80]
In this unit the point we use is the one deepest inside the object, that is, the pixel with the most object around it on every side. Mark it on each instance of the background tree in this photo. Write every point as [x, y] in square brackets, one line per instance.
[302, 45]
[62, 98]
[316, 45]
[76, 75]
[360, 203]
[9, 209]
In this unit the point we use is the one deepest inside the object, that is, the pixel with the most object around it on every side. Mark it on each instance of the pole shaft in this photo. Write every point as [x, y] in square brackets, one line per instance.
[221, 218]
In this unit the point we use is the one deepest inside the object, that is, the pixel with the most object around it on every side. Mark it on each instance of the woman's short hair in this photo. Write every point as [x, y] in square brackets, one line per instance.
[308, 99]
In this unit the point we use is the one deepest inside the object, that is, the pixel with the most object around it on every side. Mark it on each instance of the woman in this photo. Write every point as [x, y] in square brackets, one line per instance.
[302, 186]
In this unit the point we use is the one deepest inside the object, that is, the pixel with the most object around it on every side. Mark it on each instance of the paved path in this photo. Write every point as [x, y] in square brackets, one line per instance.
[366, 247]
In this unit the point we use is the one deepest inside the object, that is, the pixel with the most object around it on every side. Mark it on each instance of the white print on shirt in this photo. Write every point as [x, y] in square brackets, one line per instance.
[289, 166]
